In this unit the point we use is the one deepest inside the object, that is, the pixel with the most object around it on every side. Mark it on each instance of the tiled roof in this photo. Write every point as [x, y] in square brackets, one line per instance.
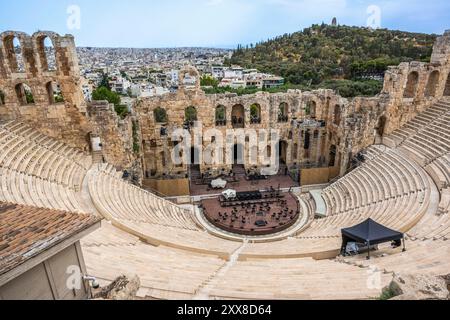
[25, 232]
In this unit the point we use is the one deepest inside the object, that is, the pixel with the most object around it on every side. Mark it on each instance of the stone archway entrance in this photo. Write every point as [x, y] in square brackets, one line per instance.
[411, 85]
[238, 116]
[333, 153]
[238, 154]
[381, 126]
[282, 152]
[447, 87]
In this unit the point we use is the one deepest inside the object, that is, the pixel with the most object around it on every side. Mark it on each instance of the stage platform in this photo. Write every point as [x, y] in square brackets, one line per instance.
[272, 213]
[282, 181]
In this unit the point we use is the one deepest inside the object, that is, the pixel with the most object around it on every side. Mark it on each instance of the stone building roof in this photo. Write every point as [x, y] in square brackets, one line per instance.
[26, 232]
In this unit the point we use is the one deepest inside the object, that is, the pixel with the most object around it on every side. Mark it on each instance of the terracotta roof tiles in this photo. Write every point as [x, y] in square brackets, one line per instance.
[25, 232]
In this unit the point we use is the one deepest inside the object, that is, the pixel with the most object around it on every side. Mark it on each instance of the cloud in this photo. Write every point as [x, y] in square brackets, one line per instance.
[310, 5]
[214, 2]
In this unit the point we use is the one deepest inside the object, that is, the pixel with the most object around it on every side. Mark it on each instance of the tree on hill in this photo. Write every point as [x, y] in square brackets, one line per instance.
[105, 81]
[103, 93]
[207, 80]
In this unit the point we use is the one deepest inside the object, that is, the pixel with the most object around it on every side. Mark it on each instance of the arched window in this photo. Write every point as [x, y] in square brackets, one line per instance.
[411, 85]
[221, 116]
[24, 94]
[283, 112]
[447, 87]
[282, 152]
[295, 151]
[316, 134]
[381, 125]
[310, 109]
[269, 151]
[238, 116]
[333, 154]
[190, 114]
[2, 98]
[14, 54]
[337, 115]
[47, 53]
[54, 93]
[307, 140]
[433, 82]
[255, 113]
[162, 156]
[160, 115]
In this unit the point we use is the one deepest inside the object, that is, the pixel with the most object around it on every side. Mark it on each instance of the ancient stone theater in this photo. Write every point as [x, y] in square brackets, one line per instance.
[222, 223]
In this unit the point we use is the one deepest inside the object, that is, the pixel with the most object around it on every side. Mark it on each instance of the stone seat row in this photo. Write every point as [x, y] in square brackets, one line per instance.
[430, 257]
[24, 189]
[165, 273]
[157, 221]
[29, 158]
[388, 177]
[301, 278]
[27, 133]
[421, 121]
[136, 204]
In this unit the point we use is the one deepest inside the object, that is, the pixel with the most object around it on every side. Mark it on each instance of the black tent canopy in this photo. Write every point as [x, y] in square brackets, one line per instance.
[370, 233]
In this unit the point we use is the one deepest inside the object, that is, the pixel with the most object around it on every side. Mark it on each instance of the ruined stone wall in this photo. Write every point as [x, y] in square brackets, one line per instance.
[337, 128]
[317, 128]
[306, 114]
[413, 87]
[116, 134]
[66, 120]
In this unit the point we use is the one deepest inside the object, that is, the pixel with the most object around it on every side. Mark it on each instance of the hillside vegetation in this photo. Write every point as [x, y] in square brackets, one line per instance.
[337, 57]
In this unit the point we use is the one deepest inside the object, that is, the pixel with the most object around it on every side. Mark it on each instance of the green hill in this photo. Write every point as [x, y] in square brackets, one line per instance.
[335, 56]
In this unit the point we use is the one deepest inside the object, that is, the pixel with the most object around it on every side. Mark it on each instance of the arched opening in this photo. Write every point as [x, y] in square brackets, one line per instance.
[433, 82]
[221, 116]
[290, 135]
[295, 151]
[160, 115]
[269, 151]
[381, 125]
[238, 154]
[24, 94]
[307, 140]
[255, 113]
[310, 109]
[337, 115]
[47, 53]
[195, 156]
[54, 93]
[447, 87]
[190, 114]
[332, 162]
[238, 116]
[162, 156]
[411, 85]
[2, 98]
[14, 54]
[282, 152]
[283, 112]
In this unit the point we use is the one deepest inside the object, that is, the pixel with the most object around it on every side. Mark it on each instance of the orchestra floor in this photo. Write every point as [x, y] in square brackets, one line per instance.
[253, 217]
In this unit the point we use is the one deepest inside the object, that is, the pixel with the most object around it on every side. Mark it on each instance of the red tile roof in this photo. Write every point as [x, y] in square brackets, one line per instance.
[25, 232]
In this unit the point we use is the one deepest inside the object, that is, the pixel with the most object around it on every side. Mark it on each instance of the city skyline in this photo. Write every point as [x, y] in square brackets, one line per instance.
[212, 23]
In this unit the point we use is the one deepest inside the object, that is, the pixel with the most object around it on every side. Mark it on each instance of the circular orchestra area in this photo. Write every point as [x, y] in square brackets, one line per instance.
[253, 213]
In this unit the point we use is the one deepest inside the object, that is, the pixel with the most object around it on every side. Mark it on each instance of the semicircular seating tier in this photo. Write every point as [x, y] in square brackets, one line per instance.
[157, 221]
[404, 186]
[39, 171]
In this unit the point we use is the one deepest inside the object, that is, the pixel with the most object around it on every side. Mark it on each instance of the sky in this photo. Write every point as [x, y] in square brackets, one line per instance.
[211, 23]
